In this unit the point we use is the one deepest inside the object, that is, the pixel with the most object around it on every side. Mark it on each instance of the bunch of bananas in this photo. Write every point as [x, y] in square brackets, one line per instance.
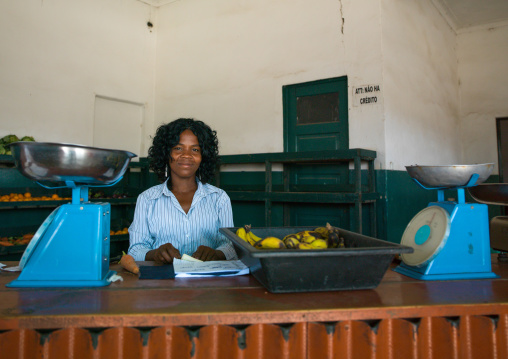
[319, 238]
[270, 242]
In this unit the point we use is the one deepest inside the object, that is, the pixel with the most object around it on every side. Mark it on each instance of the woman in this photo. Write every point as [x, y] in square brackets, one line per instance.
[185, 212]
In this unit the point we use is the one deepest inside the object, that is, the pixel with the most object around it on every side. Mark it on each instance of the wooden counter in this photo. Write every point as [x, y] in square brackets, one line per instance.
[236, 317]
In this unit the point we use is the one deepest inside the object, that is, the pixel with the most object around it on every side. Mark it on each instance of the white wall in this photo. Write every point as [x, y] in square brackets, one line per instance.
[483, 70]
[225, 63]
[56, 55]
[421, 86]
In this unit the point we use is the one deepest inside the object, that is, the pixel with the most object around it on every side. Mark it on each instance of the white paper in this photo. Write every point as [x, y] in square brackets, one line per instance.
[186, 257]
[115, 278]
[10, 269]
[2, 265]
[209, 269]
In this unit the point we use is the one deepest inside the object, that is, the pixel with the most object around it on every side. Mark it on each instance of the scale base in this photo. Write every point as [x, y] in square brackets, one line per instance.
[19, 283]
[413, 273]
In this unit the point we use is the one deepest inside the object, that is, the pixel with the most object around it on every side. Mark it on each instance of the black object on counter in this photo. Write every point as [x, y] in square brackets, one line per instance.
[157, 272]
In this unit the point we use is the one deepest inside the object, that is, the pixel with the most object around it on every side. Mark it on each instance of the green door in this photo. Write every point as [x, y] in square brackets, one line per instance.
[316, 118]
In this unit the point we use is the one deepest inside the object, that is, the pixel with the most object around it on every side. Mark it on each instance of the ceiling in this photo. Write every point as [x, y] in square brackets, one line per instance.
[460, 14]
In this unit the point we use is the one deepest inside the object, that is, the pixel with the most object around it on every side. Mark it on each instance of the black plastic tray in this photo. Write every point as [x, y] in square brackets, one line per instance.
[360, 265]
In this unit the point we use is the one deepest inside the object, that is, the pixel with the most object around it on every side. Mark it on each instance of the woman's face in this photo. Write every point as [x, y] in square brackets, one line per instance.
[185, 156]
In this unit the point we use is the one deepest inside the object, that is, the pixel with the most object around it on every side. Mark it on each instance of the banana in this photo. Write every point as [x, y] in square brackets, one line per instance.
[304, 246]
[334, 240]
[292, 235]
[291, 242]
[251, 238]
[298, 236]
[319, 244]
[248, 229]
[323, 231]
[270, 243]
[308, 239]
[242, 234]
[314, 234]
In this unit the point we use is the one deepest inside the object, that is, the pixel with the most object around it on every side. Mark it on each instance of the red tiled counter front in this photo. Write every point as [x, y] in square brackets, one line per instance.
[235, 317]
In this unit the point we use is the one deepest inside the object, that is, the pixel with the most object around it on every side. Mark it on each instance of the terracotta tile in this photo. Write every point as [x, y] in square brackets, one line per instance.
[477, 338]
[346, 339]
[169, 342]
[275, 341]
[396, 339]
[20, 344]
[120, 343]
[69, 343]
[437, 338]
[502, 336]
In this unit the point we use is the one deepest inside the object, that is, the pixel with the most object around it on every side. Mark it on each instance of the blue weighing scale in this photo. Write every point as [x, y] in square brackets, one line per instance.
[72, 246]
[450, 239]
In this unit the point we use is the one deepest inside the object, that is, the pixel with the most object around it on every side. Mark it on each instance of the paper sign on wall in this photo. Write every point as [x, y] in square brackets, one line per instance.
[366, 95]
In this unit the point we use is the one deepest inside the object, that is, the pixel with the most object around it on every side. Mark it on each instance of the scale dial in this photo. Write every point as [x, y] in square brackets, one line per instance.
[426, 234]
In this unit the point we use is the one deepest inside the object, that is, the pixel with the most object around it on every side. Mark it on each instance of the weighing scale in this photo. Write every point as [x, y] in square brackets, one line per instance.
[450, 238]
[71, 247]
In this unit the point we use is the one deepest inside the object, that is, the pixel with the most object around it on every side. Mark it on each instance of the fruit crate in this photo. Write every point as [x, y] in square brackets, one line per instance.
[361, 264]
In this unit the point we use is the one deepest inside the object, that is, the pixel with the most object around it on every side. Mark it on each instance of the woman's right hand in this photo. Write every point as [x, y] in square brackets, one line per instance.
[164, 254]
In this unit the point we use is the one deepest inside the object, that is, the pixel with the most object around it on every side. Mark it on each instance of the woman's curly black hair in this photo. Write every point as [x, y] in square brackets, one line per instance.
[168, 135]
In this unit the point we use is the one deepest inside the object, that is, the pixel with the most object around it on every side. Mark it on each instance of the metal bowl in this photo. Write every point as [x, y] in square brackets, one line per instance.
[490, 193]
[449, 176]
[58, 162]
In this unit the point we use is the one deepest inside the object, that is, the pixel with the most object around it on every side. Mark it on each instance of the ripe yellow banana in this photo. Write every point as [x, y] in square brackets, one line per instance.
[319, 244]
[291, 242]
[270, 243]
[250, 238]
[248, 229]
[314, 234]
[292, 235]
[308, 239]
[242, 234]
[304, 246]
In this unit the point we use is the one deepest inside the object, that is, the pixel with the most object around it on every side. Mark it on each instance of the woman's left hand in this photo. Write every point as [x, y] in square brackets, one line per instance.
[205, 253]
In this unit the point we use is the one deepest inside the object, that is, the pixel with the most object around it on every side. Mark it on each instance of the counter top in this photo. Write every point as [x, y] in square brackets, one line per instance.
[235, 300]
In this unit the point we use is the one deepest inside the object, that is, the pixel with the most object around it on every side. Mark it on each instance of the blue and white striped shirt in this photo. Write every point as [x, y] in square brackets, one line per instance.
[159, 219]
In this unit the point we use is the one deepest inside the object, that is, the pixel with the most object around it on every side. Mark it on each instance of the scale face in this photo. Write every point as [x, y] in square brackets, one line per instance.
[426, 234]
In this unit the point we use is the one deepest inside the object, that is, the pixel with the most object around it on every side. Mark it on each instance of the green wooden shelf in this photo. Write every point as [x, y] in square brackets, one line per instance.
[355, 193]
[307, 197]
[301, 157]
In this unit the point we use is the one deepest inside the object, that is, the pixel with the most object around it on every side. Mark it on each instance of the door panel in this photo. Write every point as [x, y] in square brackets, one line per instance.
[315, 142]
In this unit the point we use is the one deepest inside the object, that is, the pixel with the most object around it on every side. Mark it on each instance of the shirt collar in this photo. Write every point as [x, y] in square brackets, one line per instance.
[202, 191]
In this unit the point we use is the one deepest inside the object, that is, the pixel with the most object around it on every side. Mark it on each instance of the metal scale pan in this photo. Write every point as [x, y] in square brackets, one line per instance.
[495, 194]
[71, 247]
[450, 238]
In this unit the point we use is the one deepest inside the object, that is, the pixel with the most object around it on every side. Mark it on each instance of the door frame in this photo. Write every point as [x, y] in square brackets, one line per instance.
[503, 177]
